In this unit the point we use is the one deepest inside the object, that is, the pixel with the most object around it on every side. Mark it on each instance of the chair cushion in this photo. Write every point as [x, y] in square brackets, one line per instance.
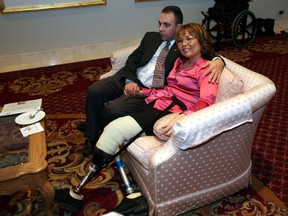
[144, 148]
[118, 60]
[229, 86]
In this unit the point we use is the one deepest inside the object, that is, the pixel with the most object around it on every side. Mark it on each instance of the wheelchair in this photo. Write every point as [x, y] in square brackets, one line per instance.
[230, 20]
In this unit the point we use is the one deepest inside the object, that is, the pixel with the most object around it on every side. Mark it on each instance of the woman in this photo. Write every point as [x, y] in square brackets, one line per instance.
[185, 81]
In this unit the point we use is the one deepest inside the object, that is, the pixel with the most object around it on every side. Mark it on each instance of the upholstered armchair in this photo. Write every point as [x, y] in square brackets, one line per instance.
[208, 156]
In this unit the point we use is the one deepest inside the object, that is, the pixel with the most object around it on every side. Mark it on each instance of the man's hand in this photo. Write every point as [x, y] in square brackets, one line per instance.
[215, 68]
[166, 130]
[131, 88]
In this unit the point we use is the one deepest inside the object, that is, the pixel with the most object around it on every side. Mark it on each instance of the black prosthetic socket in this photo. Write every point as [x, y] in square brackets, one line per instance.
[100, 158]
[88, 147]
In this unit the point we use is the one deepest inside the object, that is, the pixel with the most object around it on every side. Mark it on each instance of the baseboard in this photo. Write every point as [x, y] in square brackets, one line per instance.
[281, 26]
[45, 58]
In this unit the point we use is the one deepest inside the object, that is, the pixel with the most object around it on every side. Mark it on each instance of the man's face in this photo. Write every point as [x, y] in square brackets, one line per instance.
[167, 26]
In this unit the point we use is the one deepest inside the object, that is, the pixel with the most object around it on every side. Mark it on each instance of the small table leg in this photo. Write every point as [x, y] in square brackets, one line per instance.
[47, 191]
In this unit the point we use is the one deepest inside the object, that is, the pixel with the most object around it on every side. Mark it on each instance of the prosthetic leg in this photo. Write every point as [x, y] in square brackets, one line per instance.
[91, 173]
[96, 167]
[76, 193]
[120, 165]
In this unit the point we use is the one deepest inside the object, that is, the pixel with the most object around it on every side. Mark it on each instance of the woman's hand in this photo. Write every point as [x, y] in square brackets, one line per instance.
[215, 68]
[166, 130]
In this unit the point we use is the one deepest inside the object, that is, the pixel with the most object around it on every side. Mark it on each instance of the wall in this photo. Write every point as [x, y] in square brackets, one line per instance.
[119, 20]
[270, 9]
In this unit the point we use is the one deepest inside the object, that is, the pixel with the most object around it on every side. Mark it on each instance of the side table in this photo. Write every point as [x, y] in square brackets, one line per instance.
[23, 162]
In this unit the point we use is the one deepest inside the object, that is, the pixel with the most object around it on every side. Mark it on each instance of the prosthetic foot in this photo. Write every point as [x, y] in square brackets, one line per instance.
[66, 199]
[133, 204]
[72, 200]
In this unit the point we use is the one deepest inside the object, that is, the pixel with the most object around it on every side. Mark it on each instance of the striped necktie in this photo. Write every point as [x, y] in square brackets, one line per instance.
[159, 72]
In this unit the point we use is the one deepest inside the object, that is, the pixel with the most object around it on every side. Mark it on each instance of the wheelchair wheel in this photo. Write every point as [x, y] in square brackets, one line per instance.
[213, 28]
[243, 28]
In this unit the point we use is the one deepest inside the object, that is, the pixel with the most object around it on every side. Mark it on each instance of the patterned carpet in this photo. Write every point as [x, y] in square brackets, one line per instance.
[63, 89]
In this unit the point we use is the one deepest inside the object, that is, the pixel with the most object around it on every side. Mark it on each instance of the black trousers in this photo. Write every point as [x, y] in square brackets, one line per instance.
[146, 116]
[105, 102]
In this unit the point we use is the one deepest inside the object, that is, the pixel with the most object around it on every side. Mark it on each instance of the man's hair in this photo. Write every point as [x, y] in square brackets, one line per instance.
[177, 13]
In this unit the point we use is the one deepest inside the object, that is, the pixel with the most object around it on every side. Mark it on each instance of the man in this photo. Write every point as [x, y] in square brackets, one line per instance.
[106, 100]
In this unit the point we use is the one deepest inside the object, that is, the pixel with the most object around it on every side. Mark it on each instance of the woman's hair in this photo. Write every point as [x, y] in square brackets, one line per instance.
[200, 33]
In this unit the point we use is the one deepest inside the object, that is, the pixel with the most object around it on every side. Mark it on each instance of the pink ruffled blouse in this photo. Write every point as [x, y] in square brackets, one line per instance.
[189, 86]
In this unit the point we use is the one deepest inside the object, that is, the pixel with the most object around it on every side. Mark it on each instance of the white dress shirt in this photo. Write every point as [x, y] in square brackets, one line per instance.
[145, 73]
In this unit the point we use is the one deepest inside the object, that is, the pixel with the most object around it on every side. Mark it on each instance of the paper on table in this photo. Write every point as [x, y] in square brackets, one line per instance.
[31, 129]
[20, 107]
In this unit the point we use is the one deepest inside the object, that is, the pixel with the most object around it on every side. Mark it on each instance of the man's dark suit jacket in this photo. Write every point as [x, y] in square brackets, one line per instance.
[142, 55]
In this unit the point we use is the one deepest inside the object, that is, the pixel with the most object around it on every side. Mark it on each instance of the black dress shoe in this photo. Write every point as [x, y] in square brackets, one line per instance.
[132, 206]
[88, 148]
[81, 126]
[64, 199]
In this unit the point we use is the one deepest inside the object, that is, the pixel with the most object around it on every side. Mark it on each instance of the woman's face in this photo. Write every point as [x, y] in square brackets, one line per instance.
[189, 46]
